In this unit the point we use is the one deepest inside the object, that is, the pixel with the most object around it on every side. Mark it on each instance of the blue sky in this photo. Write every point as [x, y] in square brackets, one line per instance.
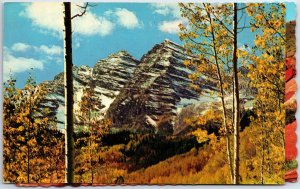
[33, 34]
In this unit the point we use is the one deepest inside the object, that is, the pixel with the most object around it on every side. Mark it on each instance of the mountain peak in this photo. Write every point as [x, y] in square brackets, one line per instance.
[151, 97]
[121, 53]
[172, 44]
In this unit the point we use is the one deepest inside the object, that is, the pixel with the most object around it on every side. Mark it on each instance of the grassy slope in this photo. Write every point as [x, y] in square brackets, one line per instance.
[207, 165]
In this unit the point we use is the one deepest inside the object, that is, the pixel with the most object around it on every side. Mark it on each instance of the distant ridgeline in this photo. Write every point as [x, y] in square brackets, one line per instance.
[149, 95]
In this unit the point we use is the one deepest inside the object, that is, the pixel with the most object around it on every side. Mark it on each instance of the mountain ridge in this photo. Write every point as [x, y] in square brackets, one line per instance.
[146, 95]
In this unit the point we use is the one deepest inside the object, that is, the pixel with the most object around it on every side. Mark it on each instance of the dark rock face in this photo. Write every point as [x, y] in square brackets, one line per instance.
[113, 72]
[150, 99]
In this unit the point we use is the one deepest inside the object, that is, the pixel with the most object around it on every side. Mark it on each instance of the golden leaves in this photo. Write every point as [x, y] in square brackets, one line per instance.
[21, 129]
[32, 142]
[181, 26]
[225, 86]
[277, 24]
[201, 135]
[193, 76]
[250, 9]
[241, 53]
[187, 63]
[259, 17]
[259, 41]
[21, 138]
[266, 72]
[202, 68]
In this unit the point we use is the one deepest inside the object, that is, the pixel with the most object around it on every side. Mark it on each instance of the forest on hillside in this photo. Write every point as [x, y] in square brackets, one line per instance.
[159, 127]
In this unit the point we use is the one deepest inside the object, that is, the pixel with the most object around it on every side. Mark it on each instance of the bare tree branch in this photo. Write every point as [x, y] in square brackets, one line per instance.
[243, 8]
[199, 43]
[242, 28]
[241, 16]
[83, 8]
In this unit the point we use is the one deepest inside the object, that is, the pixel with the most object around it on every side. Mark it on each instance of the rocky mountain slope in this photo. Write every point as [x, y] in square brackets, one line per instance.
[108, 75]
[151, 98]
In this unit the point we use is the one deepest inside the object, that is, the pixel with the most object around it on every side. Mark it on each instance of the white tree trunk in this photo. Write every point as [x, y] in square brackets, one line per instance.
[237, 101]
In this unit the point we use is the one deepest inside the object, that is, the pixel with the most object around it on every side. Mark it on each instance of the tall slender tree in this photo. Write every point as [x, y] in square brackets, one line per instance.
[68, 84]
[267, 76]
[236, 123]
[217, 44]
[203, 39]
[88, 105]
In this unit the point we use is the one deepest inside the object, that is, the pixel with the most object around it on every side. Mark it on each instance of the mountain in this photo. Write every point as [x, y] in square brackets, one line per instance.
[109, 75]
[151, 98]
[152, 94]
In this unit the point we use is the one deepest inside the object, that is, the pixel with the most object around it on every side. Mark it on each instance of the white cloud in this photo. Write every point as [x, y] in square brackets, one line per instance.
[162, 11]
[171, 10]
[20, 47]
[57, 60]
[170, 27]
[50, 50]
[49, 16]
[90, 24]
[127, 18]
[13, 65]
[166, 9]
